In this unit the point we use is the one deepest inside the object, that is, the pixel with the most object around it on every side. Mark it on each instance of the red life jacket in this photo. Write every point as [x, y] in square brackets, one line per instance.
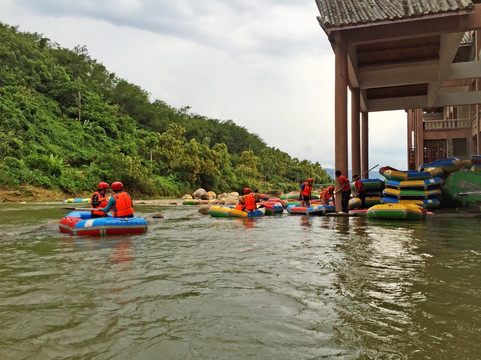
[344, 183]
[307, 190]
[359, 186]
[123, 205]
[103, 200]
[250, 203]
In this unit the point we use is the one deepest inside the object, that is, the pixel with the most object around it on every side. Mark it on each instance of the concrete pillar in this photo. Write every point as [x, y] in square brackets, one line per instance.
[365, 145]
[340, 113]
[355, 131]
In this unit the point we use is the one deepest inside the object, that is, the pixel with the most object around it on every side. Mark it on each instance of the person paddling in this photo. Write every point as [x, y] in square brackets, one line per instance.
[120, 202]
[99, 199]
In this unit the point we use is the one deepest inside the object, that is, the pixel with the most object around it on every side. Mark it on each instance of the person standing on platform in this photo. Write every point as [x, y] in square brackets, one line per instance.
[345, 189]
[360, 190]
[305, 193]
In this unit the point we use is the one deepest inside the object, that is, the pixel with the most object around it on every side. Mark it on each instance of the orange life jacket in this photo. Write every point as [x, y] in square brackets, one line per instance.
[307, 190]
[239, 207]
[103, 200]
[123, 205]
[325, 195]
[250, 203]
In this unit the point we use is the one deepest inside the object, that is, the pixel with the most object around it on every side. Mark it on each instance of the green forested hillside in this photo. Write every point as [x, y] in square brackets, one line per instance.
[67, 123]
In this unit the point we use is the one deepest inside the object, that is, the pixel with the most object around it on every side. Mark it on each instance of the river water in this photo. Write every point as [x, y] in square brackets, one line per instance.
[280, 287]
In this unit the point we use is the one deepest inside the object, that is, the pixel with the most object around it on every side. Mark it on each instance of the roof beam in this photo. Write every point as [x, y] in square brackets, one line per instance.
[447, 52]
[464, 70]
[398, 74]
[414, 73]
[458, 98]
[399, 103]
[420, 102]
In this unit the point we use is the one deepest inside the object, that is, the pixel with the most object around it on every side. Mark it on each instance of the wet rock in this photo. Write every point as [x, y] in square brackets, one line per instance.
[204, 210]
[157, 216]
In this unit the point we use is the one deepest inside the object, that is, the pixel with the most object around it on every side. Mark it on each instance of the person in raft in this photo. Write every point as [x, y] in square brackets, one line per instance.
[250, 201]
[328, 194]
[120, 202]
[346, 191]
[241, 204]
[360, 190]
[305, 193]
[99, 199]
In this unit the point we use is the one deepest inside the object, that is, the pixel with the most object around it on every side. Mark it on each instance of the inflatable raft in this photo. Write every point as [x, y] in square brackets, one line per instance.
[195, 202]
[393, 174]
[310, 210]
[429, 204]
[272, 207]
[426, 184]
[81, 223]
[371, 185]
[463, 187]
[354, 203]
[447, 165]
[76, 200]
[396, 212]
[226, 211]
[411, 194]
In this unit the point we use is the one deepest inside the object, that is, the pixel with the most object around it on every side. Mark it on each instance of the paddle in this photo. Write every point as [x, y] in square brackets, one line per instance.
[357, 177]
[80, 209]
[154, 216]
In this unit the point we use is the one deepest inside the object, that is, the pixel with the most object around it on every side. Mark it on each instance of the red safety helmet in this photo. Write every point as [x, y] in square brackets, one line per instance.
[117, 185]
[103, 185]
[331, 188]
[247, 191]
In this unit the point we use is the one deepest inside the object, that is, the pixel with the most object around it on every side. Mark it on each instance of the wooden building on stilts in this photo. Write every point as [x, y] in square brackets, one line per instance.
[412, 55]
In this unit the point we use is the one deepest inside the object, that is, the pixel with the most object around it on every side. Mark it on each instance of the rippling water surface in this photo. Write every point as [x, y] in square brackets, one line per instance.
[198, 287]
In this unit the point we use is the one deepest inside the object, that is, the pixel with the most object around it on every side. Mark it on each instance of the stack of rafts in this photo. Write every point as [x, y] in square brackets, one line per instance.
[422, 188]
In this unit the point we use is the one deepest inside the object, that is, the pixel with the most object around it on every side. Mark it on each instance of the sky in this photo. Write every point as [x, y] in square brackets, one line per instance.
[265, 64]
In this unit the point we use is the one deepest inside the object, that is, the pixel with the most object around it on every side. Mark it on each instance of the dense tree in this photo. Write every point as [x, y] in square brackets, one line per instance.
[68, 123]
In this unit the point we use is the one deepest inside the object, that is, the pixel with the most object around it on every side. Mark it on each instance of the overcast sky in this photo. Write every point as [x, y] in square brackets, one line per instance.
[265, 64]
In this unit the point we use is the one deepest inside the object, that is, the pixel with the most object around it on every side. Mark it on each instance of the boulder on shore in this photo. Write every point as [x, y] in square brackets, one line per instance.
[199, 193]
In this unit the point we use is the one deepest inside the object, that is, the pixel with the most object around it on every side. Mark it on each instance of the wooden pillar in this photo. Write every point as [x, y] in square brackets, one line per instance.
[477, 35]
[365, 145]
[355, 132]
[419, 137]
[340, 113]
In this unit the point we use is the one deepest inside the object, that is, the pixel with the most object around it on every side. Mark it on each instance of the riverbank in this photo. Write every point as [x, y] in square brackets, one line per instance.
[30, 193]
[36, 194]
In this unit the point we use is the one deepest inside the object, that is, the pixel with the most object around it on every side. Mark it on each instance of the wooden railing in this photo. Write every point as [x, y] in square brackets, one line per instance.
[447, 124]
